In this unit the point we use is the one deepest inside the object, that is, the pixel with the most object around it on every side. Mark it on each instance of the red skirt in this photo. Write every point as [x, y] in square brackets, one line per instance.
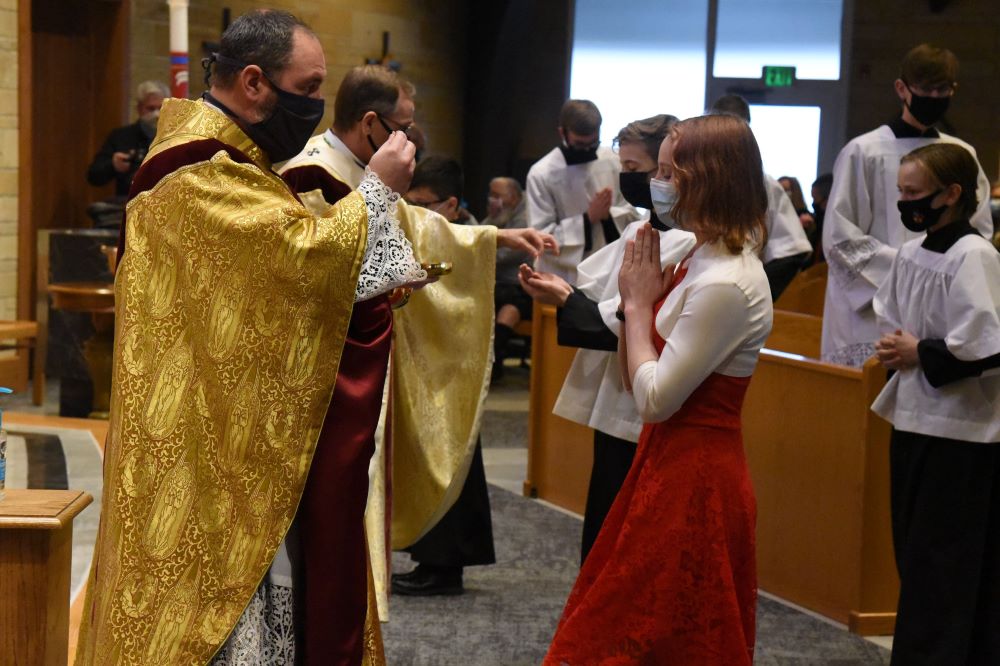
[672, 577]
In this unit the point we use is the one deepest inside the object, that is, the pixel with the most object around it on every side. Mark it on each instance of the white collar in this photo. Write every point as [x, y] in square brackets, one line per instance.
[337, 144]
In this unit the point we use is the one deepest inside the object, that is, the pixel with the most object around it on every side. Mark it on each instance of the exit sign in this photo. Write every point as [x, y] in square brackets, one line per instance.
[778, 76]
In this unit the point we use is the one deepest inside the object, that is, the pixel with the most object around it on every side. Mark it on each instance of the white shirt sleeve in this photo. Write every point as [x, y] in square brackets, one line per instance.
[388, 260]
[709, 330]
[973, 306]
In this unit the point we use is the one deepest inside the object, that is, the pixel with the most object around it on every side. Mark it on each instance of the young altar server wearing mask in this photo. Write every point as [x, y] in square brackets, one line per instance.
[939, 314]
[862, 229]
[593, 394]
[572, 192]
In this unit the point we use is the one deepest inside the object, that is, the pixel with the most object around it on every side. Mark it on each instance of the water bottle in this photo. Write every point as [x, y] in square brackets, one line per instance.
[3, 446]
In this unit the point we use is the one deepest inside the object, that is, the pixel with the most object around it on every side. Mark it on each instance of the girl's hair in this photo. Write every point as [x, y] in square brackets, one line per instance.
[650, 132]
[798, 200]
[948, 164]
[720, 180]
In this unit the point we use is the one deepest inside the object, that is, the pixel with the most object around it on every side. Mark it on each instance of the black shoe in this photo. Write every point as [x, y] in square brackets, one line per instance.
[412, 573]
[429, 582]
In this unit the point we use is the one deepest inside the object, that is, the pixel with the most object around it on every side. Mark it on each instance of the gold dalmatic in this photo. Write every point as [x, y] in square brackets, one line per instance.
[232, 305]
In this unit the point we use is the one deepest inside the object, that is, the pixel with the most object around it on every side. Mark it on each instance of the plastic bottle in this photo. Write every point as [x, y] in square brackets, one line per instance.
[3, 446]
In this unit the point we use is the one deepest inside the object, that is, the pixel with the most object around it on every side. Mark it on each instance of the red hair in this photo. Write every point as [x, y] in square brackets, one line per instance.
[720, 180]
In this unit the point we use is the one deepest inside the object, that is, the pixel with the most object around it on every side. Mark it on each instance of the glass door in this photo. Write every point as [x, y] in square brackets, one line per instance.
[787, 58]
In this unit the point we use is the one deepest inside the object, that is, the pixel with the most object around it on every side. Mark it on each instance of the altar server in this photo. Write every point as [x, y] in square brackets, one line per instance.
[939, 312]
[862, 229]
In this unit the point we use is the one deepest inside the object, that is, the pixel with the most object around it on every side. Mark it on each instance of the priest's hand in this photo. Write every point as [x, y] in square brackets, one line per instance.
[393, 162]
[545, 288]
[532, 241]
[898, 351]
[641, 280]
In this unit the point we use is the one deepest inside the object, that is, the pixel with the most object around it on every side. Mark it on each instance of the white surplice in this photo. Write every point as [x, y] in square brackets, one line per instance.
[952, 296]
[558, 195]
[862, 232]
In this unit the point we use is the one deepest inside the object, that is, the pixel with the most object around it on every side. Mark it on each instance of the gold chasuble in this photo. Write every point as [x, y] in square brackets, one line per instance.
[232, 304]
[441, 362]
[441, 356]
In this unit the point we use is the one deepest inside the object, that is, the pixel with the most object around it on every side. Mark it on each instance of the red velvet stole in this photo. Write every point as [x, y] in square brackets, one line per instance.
[331, 515]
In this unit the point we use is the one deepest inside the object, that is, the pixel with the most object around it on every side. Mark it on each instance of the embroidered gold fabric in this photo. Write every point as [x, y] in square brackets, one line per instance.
[442, 353]
[232, 304]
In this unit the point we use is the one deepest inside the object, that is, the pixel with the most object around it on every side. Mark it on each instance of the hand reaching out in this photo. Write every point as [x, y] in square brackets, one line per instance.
[531, 241]
[544, 287]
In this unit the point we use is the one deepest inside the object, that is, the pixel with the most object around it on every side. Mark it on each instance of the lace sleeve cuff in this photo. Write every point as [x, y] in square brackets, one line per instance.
[389, 260]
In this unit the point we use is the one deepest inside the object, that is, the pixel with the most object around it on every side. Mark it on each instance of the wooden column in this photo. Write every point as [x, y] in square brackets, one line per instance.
[36, 544]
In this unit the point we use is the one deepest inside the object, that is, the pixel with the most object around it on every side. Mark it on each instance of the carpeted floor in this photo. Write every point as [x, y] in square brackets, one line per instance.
[509, 612]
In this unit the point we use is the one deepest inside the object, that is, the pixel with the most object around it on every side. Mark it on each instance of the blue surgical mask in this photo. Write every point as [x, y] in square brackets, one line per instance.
[664, 196]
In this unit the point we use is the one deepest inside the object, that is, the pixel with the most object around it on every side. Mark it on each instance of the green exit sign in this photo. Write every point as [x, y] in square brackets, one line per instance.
[778, 76]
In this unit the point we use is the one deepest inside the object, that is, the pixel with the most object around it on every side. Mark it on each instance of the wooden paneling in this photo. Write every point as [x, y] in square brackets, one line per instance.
[73, 89]
[560, 452]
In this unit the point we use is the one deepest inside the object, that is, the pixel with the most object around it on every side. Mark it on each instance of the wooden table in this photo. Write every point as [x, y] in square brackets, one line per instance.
[36, 547]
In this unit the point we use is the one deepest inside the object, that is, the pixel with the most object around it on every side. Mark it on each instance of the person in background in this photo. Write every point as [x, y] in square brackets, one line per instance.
[790, 184]
[593, 394]
[573, 191]
[437, 186]
[125, 147]
[506, 210]
[820, 192]
[862, 229]
[787, 248]
[938, 311]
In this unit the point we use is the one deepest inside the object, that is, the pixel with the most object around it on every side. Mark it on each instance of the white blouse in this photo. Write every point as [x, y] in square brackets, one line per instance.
[714, 321]
[954, 296]
[593, 394]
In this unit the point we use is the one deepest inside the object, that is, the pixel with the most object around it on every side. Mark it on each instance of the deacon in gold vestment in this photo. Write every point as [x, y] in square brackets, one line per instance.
[232, 306]
[442, 338]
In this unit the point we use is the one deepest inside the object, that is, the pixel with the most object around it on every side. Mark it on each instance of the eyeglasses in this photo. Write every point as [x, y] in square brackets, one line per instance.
[405, 129]
[424, 204]
[942, 90]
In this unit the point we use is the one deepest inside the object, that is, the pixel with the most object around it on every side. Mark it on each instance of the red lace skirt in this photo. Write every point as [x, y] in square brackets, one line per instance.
[672, 577]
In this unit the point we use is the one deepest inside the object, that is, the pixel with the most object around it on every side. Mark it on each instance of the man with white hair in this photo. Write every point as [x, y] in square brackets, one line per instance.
[124, 149]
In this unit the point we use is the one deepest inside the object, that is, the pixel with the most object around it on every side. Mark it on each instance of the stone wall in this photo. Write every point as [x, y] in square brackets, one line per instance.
[427, 37]
[8, 159]
[884, 30]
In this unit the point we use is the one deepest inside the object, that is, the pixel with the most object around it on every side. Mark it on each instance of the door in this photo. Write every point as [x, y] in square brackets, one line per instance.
[787, 58]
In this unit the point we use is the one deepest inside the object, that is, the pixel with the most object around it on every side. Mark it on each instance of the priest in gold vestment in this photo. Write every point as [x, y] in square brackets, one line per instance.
[233, 303]
[441, 339]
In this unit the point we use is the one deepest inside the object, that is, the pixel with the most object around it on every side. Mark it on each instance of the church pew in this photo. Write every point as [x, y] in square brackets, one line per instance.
[806, 293]
[819, 460]
[560, 452]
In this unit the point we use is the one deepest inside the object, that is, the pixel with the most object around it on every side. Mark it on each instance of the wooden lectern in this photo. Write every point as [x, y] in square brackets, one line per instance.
[36, 548]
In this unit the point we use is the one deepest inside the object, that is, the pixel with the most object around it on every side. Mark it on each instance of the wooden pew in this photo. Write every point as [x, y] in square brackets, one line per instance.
[560, 452]
[806, 293]
[819, 459]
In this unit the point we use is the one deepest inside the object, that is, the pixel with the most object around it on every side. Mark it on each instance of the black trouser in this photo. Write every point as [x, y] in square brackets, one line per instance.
[946, 532]
[780, 272]
[612, 461]
[464, 536]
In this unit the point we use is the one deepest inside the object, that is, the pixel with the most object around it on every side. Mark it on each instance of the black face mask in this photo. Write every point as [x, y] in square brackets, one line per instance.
[918, 215]
[284, 133]
[575, 155]
[634, 186]
[927, 110]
